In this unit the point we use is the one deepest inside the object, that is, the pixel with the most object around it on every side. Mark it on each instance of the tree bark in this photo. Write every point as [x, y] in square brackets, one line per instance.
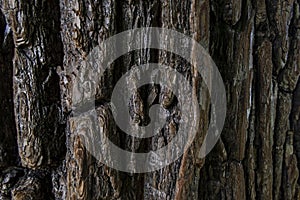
[256, 47]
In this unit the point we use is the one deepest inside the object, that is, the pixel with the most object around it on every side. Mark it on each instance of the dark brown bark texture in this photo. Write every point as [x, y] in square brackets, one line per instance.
[254, 43]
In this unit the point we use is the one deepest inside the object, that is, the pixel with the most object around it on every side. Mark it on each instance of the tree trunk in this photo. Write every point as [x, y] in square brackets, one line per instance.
[256, 47]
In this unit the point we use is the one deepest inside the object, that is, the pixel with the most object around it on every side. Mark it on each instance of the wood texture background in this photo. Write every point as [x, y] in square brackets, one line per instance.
[256, 46]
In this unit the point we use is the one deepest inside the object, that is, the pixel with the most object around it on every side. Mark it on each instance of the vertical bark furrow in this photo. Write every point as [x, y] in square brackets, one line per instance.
[285, 167]
[231, 49]
[85, 24]
[8, 139]
[188, 178]
[36, 82]
[263, 67]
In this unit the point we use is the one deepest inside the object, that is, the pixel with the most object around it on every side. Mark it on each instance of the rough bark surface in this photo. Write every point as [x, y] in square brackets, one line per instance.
[254, 43]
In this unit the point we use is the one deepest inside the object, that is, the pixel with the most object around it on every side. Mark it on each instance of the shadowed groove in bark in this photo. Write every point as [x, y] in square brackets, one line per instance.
[8, 140]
